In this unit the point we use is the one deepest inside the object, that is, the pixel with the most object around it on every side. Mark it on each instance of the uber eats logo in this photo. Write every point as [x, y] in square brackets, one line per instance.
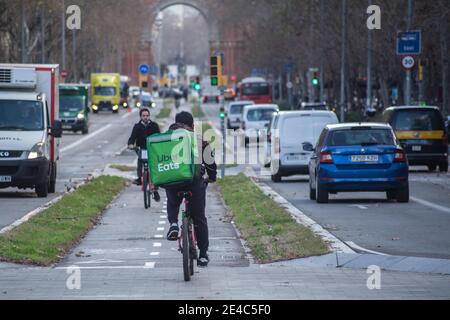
[165, 163]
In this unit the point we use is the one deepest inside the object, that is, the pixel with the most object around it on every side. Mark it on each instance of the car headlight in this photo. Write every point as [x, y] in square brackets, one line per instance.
[116, 107]
[125, 105]
[80, 116]
[138, 104]
[153, 105]
[94, 107]
[37, 151]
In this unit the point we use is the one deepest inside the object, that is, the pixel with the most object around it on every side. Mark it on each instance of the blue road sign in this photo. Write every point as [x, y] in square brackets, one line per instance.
[144, 68]
[409, 43]
[153, 69]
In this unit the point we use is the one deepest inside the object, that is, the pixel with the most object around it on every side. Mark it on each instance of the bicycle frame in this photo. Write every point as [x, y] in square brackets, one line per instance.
[186, 214]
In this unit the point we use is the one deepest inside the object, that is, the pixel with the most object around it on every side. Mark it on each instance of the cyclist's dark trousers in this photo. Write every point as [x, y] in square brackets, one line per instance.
[197, 210]
[139, 169]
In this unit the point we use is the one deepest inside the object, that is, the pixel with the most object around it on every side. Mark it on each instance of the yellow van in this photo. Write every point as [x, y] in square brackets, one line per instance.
[422, 134]
[105, 89]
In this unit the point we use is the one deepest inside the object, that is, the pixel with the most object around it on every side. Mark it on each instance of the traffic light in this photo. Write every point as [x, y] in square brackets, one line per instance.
[222, 114]
[315, 80]
[143, 81]
[197, 85]
[216, 70]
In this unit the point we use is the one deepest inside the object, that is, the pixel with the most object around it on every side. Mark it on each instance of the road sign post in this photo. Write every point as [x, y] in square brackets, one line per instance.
[409, 44]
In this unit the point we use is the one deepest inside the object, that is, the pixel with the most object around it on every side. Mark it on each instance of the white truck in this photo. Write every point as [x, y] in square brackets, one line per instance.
[29, 127]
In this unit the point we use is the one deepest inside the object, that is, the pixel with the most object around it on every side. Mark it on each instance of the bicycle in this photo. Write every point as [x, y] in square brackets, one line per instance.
[145, 180]
[187, 241]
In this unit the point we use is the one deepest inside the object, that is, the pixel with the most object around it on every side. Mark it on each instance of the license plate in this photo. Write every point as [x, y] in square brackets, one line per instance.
[5, 179]
[296, 158]
[364, 158]
[417, 148]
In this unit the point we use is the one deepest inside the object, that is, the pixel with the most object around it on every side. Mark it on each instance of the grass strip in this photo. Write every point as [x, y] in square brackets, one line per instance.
[271, 232]
[47, 237]
[122, 167]
[164, 113]
[197, 111]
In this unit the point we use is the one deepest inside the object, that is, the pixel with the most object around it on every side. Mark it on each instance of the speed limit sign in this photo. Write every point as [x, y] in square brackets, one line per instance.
[408, 62]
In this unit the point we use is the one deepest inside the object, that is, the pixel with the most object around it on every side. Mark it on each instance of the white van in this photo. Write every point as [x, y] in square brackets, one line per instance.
[294, 136]
[256, 119]
[235, 111]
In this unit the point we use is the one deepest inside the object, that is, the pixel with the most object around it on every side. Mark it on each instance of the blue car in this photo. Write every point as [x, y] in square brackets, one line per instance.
[358, 157]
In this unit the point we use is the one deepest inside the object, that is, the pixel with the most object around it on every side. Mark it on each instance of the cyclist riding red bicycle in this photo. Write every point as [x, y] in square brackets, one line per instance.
[141, 131]
[197, 202]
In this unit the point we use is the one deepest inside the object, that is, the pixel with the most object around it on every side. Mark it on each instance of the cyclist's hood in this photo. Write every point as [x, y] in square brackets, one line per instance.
[177, 126]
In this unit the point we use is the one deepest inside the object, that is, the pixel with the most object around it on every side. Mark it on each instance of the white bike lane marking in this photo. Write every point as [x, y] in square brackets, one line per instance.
[431, 205]
[82, 140]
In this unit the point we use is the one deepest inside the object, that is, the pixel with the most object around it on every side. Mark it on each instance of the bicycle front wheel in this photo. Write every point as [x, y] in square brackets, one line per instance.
[186, 250]
[147, 195]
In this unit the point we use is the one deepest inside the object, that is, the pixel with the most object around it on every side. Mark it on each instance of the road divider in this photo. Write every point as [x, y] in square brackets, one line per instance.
[45, 238]
[269, 230]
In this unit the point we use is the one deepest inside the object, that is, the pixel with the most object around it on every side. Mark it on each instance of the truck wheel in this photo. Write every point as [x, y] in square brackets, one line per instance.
[312, 193]
[276, 178]
[443, 166]
[52, 184]
[42, 190]
[403, 195]
[321, 194]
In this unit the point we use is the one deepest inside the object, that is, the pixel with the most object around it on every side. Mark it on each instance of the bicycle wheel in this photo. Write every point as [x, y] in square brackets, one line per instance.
[192, 254]
[186, 250]
[147, 196]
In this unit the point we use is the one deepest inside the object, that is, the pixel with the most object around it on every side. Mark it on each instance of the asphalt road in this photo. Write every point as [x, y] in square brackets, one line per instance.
[79, 156]
[369, 220]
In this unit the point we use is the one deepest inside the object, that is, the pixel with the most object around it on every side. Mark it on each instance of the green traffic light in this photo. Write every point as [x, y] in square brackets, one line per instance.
[222, 115]
[214, 81]
[315, 82]
[198, 87]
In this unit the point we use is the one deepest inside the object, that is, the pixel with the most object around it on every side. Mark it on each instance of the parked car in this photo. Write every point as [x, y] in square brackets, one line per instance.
[313, 106]
[359, 157]
[422, 133]
[271, 128]
[255, 120]
[234, 111]
[147, 100]
[294, 134]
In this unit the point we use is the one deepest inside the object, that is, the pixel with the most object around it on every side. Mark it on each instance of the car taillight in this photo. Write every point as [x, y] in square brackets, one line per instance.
[400, 156]
[325, 157]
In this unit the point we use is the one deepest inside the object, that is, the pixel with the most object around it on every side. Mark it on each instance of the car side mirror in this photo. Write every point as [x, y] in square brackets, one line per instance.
[56, 130]
[308, 147]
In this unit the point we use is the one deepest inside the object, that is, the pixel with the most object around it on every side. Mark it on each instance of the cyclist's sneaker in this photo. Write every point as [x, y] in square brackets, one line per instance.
[172, 235]
[156, 196]
[137, 182]
[203, 262]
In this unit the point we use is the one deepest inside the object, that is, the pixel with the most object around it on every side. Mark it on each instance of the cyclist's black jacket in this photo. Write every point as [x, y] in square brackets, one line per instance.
[208, 165]
[141, 132]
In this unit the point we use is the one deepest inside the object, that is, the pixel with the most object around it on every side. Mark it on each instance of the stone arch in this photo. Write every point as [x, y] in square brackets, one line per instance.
[199, 5]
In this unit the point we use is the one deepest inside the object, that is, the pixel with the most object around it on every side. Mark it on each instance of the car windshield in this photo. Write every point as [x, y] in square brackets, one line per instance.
[418, 120]
[71, 104]
[361, 137]
[18, 115]
[237, 108]
[105, 91]
[260, 114]
[255, 89]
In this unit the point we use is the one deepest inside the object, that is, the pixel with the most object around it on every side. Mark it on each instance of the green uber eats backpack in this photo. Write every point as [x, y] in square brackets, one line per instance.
[173, 158]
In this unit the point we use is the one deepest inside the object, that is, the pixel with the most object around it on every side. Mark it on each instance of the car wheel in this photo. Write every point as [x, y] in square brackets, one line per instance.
[391, 195]
[443, 167]
[276, 178]
[312, 193]
[432, 167]
[403, 195]
[321, 194]
[42, 190]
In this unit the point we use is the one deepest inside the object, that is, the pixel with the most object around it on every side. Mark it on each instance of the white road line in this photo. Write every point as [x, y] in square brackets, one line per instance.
[104, 268]
[157, 245]
[163, 217]
[93, 134]
[162, 222]
[359, 206]
[160, 229]
[149, 265]
[356, 247]
[431, 205]
[154, 254]
[158, 236]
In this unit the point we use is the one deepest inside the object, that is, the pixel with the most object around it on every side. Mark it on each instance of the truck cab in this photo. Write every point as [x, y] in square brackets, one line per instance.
[29, 127]
[105, 89]
[74, 107]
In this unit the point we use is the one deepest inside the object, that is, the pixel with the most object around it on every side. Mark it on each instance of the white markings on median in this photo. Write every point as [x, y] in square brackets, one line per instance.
[158, 236]
[356, 247]
[149, 265]
[431, 205]
[162, 222]
[163, 217]
[82, 140]
[153, 254]
[359, 206]
[157, 245]
[160, 229]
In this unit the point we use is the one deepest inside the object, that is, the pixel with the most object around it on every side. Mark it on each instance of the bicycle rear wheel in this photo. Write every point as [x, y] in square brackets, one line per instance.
[186, 250]
[147, 195]
[192, 255]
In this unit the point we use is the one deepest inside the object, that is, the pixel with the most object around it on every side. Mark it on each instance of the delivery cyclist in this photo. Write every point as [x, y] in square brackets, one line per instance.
[141, 131]
[184, 120]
